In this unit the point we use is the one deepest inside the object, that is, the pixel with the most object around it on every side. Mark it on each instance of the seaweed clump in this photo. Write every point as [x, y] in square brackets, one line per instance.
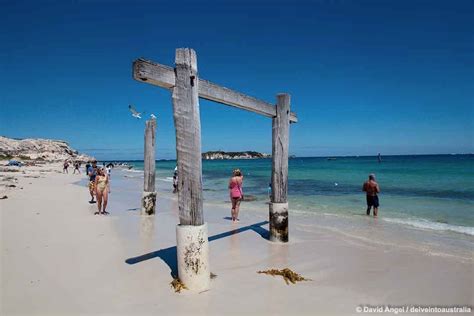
[177, 285]
[287, 274]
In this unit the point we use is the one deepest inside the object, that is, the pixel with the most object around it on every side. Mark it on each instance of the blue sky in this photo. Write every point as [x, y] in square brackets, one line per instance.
[394, 77]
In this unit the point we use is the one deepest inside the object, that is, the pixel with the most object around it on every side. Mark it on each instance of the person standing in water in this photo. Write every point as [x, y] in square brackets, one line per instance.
[236, 194]
[371, 188]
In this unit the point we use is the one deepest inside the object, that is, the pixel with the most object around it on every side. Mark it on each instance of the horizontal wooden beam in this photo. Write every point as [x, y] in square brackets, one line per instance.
[164, 76]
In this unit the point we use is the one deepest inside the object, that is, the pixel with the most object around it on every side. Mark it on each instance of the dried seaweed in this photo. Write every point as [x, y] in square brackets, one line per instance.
[287, 274]
[178, 285]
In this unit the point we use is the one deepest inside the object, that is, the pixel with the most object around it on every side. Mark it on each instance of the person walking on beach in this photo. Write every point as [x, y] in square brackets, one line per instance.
[236, 194]
[175, 180]
[371, 188]
[92, 173]
[65, 166]
[102, 191]
[88, 164]
[76, 167]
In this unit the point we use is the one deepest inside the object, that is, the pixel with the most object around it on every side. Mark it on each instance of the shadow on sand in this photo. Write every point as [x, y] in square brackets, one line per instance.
[169, 255]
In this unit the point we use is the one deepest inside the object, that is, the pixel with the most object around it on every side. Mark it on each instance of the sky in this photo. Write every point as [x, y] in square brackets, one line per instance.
[395, 77]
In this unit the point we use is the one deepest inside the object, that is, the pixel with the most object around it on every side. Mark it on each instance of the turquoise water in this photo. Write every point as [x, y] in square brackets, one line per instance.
[434, 192]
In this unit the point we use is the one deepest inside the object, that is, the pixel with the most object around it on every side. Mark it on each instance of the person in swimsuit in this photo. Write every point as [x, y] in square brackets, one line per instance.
[102, 191]
[371, 188]
[235, 192]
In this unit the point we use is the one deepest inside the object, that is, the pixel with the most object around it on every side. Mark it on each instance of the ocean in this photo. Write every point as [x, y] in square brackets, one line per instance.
[434, 192]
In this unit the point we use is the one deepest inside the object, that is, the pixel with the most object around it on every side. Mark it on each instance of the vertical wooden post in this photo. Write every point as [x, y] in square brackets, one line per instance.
[188, 138]
[191, 234]
[280, 142]
[149, 194]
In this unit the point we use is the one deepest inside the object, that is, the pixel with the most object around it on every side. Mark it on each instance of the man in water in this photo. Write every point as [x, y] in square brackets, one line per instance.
[371, 188]
[92, 172]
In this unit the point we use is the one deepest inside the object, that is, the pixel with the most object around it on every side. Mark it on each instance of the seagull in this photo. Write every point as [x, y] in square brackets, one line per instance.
[134, 112]
[153, 116]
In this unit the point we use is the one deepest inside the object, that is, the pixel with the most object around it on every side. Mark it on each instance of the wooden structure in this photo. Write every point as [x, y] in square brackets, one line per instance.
[280, 142]
[149, 194]
[187, 88]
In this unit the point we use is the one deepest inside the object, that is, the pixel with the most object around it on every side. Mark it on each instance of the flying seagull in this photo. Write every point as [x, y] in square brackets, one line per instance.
[153, 116]
[134, 112]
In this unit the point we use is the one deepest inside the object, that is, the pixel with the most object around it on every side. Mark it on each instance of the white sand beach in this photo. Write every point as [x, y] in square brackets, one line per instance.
[57, 258]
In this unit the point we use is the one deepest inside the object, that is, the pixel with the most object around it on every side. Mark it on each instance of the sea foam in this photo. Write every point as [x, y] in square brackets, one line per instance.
[426, 224]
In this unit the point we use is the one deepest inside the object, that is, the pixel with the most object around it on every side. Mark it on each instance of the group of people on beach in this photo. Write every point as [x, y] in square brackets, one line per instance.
[99, 185]
[76, 164]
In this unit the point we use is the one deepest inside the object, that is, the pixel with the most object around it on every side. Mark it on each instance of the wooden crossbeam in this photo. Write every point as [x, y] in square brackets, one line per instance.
[164, 76]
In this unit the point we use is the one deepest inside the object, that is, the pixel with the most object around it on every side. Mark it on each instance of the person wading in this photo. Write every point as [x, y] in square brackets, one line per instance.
[371, 188]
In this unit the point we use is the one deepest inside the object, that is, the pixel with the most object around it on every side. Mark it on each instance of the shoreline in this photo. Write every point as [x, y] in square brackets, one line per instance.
[417, 229]
[356, 226]
[67, 261]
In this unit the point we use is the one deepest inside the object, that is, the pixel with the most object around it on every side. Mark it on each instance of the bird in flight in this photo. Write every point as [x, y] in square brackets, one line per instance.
[153, 116]
[134, 112]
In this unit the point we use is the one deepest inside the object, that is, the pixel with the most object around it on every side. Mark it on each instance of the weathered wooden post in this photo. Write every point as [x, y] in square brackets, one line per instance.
[191, 233]
[149, 194]
[280, 142]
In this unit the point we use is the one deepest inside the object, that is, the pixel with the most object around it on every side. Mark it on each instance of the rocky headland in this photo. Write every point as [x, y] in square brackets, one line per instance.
[214, 155]
[39, 149]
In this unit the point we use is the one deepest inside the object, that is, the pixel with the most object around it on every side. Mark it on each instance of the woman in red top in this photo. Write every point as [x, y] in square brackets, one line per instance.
[235, 192]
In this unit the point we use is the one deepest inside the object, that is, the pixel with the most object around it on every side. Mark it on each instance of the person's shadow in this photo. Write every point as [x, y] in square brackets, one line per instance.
[169, 255]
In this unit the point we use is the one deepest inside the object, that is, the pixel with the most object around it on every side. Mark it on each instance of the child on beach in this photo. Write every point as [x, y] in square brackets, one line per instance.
[102, 191]
[236, 194]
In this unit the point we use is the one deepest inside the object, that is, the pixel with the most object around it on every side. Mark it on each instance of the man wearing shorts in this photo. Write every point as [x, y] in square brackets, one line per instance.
[371, 188]
[92, 172]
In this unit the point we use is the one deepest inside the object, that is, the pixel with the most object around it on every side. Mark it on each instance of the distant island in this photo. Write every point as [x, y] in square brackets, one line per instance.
[215, 155]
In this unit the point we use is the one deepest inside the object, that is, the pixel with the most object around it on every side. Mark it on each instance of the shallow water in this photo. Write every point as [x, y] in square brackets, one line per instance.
[428, 192]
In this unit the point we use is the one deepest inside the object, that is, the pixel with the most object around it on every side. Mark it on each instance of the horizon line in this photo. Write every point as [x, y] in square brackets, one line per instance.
[345, 156]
